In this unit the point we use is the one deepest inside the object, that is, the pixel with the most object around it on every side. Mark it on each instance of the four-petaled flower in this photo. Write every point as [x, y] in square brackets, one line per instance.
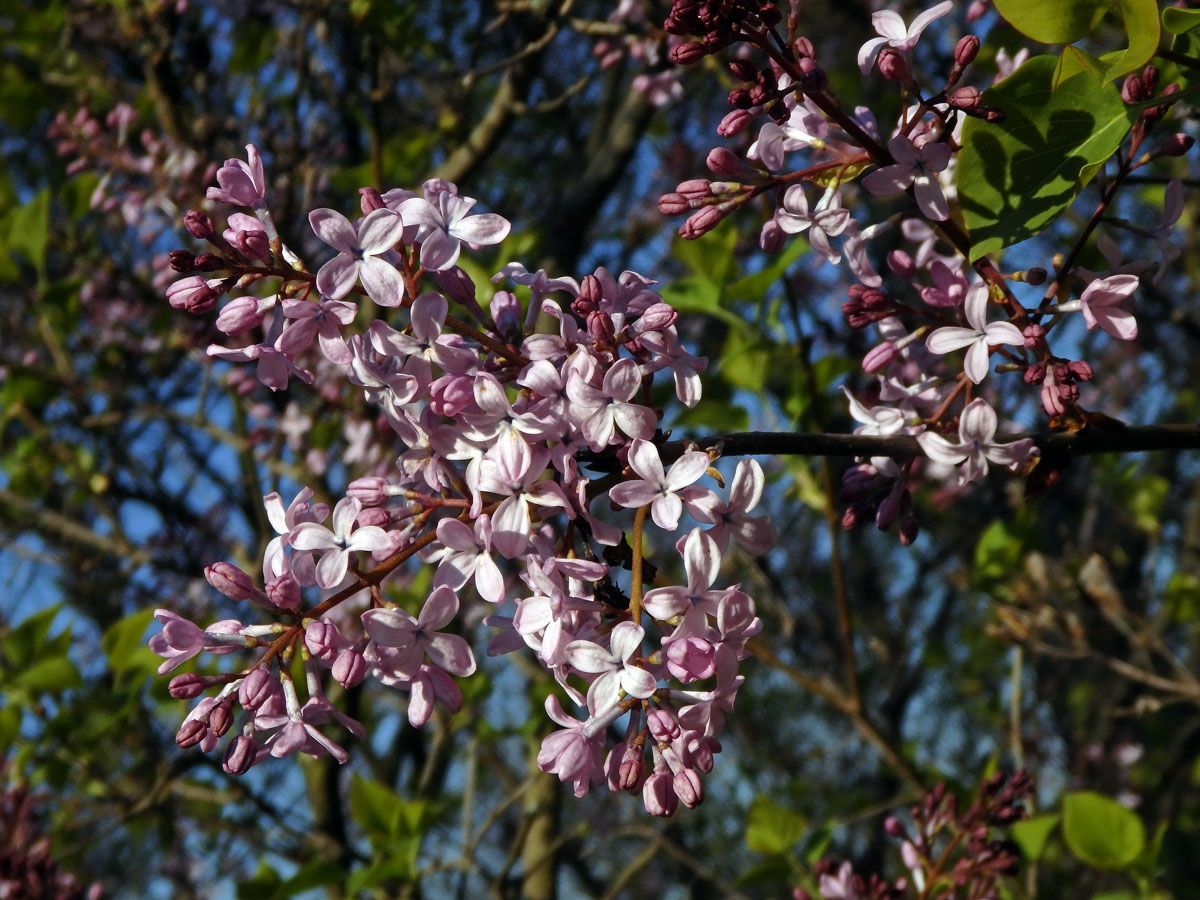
[339, 543]
[1103, 305]
[895, 34]
[978, 337]
[656, 487]
[914, 167]
[446, 225]
[976, 434]
[359, 247]
[617, 673]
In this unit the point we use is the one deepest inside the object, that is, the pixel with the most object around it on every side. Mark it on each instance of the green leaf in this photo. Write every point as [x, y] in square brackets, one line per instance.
[745, 362]
[772, 829]
[1100, 831]
[1141, 25]
[1031, 835]
[1017, 176]
[21, 646]
[754, 287]
[124, 642]
[29, 231]
[56, 673]
[699, 294]
[1057, 22]
[1180, 21]
[315, 874]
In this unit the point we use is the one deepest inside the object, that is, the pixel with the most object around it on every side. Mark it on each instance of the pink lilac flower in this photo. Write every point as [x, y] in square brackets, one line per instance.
[446, 226]
[181, 639]
[656, 487]
[241, 183]
[339, 543]
[731, 517]
[895, 34]
[408, 641]
[978, 337]
[359, 247]
[976, 435]
[616, 672]
[1103, 304]
[914, 167]
[828, 219]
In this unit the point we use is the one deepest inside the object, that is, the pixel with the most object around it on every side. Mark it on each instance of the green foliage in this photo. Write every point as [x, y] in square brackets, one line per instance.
[1031, 835]
[1062, 22]
[772, 829]
[1016, 177]
[1100, 831]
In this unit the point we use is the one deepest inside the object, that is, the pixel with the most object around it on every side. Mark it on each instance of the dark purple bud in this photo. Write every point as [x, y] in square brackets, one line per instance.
[187, 686]
[688, 788]
[457, 285]
[198, 225]
[1033, 335]
[701, 222]
[756, 96]
[256, 689]
[691, 52]
[965, 50]
[909, 529]
[1081, 370]
[894, 827]
[1176, 145]
[190, 734]
[1035, 276]
[600, 327]
[210, 262]
[284, 591]
[591, 292]
[724, 163]
[812, 77]
[892, 65]
[633, 766]
[739, 98]
[1132, 90]
[1150, 80]
[253, 244]
[182, 261]
[874, 298]
[850, 518]
[771, 238]
[735, 122]
[349, 668]
[888, 511]
[240, 755]
[230, 580]
[743, 69]
[369, 200]
[966, 99]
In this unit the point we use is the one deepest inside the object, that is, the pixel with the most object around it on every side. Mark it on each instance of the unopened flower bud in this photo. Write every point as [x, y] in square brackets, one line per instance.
[673, 204]
[695, 188]
[284, 591]
[600, 327]
[994, 115]
[240, 315]
[375, 515]
[457, 285]
[253, 244]
[192, 294]
[888, 511]
[198, 225]
[965, 98]
[369, 200]
[256, 689]
[1132, 90]
[812, 77]
[657, 317]
[1035, 374]
[663, 726]
[977, 10]
[230, 580]
[892, 65]
[804, 48]
[878, 357]
[743, 69]
[506, 312]
[1081, 370]
[901, 263]
[451, 394]
[1035, 276]
[1150, 80]
[739, 98]
[771, 238]
[240, 755]
[220, 720]
[850, 518]
[324, 641]
[734, 122]
[190, 734]
[874, 298]
[211, 262]
[658, 795]
[688, 788]
[349, 668]
[187, 686]
[965, 50]
[1176, 144]
[701, 222]
[894, 827]
[591, 292]
[688, 53]
[724, 162]
[369, 491]
[910, 528]
[1033, 335]
[182, 261]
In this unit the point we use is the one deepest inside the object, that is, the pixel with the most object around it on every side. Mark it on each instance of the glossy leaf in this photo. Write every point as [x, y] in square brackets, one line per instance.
[1031, 835]
[1141, 26]
[773, 829]
[1179, 21]
[1017, 176]
[1060, 22]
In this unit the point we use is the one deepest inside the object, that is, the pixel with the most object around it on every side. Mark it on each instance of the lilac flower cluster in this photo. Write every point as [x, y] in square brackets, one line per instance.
[496, 425]
[935, 303]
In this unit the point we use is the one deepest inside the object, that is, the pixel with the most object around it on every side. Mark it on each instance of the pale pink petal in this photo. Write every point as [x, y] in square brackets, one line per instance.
[379, 231]
[632, 494]
[487, 228]
[452, 653]
[334, 229]
[976, 364]
[687, 469]
[336, 278]
[625, 640]
[440, 608]
[382, 282]
[950, 338]
[666, 511]
[977, 423]
[940, 450]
